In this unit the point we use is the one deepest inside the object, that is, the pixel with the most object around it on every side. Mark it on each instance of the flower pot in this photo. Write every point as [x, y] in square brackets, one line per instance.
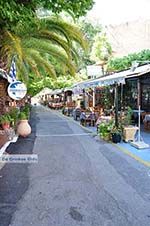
[6, 125]
[116, 138]
[129, 133]
[106, 138]
[23, 129]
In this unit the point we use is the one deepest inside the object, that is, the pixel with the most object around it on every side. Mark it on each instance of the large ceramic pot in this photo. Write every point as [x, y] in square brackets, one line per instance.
[23, 129]
[116, 138]
[6, 125]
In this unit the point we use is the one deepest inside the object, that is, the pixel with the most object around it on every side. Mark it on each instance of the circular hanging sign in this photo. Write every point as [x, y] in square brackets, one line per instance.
[17, 90]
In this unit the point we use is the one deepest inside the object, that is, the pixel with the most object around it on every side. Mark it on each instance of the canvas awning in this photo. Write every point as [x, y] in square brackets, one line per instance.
[104, 81]
[67, 89]
[116, 78]
[56, 91]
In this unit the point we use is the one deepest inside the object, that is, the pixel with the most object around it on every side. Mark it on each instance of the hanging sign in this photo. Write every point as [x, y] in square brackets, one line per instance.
[17, 90]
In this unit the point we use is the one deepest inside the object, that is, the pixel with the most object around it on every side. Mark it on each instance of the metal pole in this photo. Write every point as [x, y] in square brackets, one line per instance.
[116, 105]
[121, 107]
[139, 109]
[139, 123]
[139, 93]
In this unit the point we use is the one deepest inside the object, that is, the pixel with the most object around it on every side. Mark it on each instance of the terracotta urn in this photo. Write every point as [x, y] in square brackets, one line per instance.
[6, 125]
[23, 129]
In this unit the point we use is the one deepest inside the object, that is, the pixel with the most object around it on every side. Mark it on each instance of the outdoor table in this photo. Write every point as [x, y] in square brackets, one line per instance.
[89, 118]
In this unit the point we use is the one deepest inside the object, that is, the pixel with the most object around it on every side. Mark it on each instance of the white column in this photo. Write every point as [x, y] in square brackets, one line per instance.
[93, 97]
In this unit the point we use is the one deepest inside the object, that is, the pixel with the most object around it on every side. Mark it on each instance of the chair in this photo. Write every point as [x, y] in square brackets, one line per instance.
[76, 113]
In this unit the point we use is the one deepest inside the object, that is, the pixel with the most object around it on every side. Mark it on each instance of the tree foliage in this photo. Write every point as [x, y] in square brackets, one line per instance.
[89, 30]
[36, 84]
[47, 47]
[119, 64]
[42, 47]
[101, 49]
[14, 11]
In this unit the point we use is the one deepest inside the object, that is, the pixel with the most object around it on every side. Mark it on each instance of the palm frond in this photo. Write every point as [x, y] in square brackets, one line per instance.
[52, 40]
[47, 48]
[14, 44]
[72, 31]
[41, 62]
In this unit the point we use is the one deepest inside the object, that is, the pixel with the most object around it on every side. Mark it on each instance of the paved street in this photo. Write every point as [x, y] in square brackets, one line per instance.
[78, 181]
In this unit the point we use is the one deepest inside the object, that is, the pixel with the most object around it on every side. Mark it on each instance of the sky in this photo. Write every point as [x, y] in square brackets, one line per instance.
[119, 11]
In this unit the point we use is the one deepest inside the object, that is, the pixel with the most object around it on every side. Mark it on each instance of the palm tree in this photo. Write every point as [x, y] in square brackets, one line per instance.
[33, 47]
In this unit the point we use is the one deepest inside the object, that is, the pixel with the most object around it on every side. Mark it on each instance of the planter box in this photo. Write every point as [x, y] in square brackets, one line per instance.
[129, 133]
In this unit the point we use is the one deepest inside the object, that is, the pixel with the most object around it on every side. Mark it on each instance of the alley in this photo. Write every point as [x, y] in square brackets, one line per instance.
[79, 181]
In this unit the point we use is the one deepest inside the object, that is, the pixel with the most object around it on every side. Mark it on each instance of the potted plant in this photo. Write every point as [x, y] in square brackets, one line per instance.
[22, 116]
[23, 129]
[26, 110]
[104, 130]
[14, 113]
[5, 121]
[116, 134]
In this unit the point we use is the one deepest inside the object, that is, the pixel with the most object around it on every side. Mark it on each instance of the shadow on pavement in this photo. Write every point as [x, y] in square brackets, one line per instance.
[14, 178]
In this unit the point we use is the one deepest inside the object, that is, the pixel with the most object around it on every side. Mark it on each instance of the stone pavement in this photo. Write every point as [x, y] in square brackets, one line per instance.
[79, 181]
[141, 155]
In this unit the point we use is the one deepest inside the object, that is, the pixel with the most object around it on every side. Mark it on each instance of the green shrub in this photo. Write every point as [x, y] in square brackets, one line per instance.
[22, 116]
[104, 129]
[6, 118]
[14, 113]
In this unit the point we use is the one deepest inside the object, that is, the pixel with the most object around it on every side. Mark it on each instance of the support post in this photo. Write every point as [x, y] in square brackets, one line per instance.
[139, 94]
[116, 105]
[121, 97]
[93, 97]
[84, 99]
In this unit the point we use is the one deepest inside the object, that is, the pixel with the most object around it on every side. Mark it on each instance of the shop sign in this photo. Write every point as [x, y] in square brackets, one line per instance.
[17, 90]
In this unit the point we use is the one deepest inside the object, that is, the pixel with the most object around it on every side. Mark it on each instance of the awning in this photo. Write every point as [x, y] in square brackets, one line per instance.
[56, 91]
[116, 78]
[67, 89]
[103, 81]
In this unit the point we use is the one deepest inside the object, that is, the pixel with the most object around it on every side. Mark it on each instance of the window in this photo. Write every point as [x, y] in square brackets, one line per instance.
[130, 93]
